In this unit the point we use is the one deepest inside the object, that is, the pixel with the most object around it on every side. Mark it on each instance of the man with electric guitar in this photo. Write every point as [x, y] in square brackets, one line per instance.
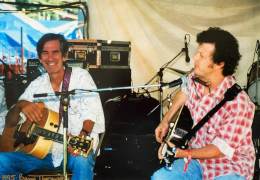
[219, 146]
[34, 126]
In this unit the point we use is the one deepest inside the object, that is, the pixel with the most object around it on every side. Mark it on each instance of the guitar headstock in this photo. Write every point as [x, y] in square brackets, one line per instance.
[81, 145]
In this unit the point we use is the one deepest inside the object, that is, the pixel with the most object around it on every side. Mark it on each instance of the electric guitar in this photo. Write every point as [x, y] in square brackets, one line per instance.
[37, 139]
[181, 124]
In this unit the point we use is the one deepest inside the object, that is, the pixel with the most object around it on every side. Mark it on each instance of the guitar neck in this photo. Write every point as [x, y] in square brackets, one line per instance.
[38, 131]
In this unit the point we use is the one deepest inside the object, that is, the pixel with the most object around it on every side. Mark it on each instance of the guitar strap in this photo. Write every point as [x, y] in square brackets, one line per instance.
[65, 87]
[229, 95]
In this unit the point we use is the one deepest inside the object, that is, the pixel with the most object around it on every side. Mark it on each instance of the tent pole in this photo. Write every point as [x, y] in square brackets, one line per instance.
[22, 51]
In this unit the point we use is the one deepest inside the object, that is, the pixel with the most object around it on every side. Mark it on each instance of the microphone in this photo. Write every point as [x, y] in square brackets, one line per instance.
[174, 83]
[186, 50]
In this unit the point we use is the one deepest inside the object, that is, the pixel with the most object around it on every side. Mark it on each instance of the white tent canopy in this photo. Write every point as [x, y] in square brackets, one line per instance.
[156, 29]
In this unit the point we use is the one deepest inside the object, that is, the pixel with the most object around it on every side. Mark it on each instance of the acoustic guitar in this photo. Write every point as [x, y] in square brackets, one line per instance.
[37, 139]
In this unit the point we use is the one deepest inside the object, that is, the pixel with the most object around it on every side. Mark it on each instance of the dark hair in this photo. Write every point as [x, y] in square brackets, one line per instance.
[49, 37]
[226, 48]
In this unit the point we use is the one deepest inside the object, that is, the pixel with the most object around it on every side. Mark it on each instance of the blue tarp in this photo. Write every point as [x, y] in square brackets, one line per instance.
[10, 32]
[7, 41]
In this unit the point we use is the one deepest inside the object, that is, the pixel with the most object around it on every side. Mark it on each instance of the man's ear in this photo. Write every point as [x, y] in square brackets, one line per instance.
[65, 57]
[220, 65]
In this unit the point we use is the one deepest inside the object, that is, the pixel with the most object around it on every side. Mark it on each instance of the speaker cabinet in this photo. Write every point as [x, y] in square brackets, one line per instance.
[14, 87]
[129, 146]
[127, 155]
[34, 69]
[107, 77]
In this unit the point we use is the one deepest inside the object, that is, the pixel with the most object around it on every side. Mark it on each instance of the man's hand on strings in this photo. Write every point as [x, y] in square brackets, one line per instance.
[32, 111]
[161, 131]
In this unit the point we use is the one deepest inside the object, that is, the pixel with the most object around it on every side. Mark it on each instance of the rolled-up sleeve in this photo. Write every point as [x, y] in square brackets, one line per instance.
[235, 126]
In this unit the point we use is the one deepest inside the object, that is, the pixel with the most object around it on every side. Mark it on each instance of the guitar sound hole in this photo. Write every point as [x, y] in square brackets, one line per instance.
[21, 138]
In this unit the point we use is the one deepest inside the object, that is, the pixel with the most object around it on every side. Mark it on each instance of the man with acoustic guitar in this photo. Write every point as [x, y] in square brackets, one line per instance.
[222, 149]
[41, 123]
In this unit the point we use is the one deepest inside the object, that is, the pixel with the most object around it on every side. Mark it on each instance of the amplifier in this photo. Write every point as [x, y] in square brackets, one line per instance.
[34, 69]
[85, 50]
[76, 63]
[115, 54]
[101, 53]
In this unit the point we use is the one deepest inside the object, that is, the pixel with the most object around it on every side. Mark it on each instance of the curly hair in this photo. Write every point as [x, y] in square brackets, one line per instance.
[226, 48]
[52, 36]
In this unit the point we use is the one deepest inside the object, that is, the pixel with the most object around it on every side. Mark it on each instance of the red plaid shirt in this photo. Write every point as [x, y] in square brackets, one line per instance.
[229, 129]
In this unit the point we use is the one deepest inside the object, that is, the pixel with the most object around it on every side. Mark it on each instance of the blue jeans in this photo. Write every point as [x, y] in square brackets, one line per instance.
[16, 163]
[194, 172]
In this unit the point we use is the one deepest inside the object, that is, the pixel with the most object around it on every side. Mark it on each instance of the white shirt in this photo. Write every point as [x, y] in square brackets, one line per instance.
[82, 106]
[3, 107]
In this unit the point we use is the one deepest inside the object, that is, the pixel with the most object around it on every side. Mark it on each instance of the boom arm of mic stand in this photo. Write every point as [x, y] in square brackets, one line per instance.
[100, 90]
[86, 91]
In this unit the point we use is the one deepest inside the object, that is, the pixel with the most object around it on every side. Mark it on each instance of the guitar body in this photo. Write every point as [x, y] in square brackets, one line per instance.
[20, 138]
[181, 124]
[184, 124]
[41, 147]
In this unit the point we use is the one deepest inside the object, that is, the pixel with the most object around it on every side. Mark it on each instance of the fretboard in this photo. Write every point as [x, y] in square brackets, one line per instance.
[38, 131]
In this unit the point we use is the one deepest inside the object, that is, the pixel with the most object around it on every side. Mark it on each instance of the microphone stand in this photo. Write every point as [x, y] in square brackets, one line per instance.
[160, 75]
[64, 101]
